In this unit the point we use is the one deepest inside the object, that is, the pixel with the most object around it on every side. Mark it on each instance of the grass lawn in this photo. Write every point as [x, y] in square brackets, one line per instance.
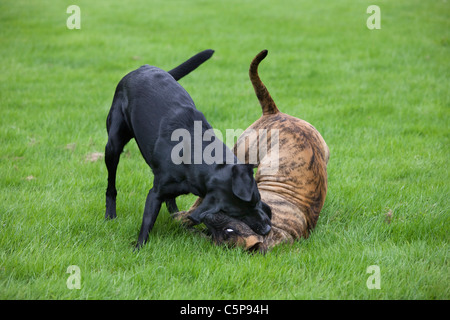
[380, 99]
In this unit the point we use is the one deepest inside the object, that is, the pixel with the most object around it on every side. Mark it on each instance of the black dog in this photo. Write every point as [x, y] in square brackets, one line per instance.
[149, 105]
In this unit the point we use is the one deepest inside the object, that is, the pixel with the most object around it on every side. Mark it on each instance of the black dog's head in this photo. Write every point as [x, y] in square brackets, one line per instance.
[234, 194]
[246, 204]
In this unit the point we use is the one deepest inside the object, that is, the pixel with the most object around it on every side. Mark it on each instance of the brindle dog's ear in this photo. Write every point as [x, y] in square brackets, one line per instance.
[242, 182]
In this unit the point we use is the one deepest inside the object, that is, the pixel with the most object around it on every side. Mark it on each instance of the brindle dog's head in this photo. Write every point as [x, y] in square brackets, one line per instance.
[234, 233]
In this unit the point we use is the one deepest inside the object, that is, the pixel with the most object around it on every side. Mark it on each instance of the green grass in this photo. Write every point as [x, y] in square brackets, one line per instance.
[380, 99]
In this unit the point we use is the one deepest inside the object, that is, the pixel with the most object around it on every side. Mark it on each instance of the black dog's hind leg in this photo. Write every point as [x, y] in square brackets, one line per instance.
[171, 205]
[151, 211]
[118, 137]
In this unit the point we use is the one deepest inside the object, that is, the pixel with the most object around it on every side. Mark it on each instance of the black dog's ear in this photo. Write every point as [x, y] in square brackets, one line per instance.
[242, 182]
[267, 210]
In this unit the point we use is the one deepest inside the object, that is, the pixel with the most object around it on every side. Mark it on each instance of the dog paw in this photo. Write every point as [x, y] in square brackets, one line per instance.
[183, 218]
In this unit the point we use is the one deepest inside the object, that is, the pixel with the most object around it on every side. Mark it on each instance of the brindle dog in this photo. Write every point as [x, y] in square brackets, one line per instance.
[295, 193]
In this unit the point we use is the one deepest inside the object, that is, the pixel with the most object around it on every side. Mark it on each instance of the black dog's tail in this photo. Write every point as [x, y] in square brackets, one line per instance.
[191, 64]
[266, 101]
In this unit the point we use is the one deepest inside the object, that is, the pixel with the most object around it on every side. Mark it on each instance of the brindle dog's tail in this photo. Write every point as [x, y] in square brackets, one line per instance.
[191, 64]
[266, 101]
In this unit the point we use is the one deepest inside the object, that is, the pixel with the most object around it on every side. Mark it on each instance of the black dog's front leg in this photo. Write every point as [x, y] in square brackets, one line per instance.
[204, 207]
[152, 207]
[118, 137]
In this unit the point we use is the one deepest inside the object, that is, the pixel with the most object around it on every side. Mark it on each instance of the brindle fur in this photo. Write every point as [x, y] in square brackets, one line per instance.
[296, 193]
